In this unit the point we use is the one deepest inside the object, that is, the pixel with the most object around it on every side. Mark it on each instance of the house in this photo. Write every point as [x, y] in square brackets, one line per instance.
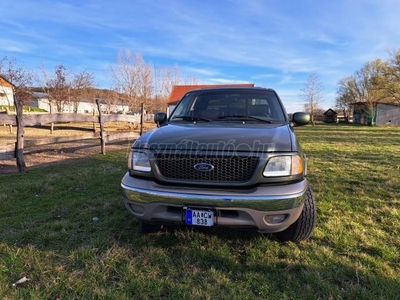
[178, 91]
[330, 116]
[382, 113]
[6, 92]
[41, 100]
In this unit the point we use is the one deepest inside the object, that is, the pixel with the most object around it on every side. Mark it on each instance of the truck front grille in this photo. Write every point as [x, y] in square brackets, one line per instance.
[226, 168]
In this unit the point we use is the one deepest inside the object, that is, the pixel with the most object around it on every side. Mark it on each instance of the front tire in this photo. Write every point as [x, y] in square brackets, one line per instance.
[303, 228]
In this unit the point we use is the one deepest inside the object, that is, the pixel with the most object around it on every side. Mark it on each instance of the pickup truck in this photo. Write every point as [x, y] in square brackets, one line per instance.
[226, 157]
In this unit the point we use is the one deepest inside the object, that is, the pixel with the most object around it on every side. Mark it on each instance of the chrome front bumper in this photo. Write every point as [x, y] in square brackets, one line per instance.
[153, 202]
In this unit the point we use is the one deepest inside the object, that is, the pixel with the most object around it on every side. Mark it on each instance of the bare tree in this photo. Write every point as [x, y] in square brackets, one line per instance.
[140, 82]
[369, 85]
[392, 75]
[81, 88]
[44, 82]
[191, 80]
[166, 78]
[146, 82]
[20, 79]
[64, 88]
[346, 95]
[312, 94]
[133, 78]
[57, 86]
[60, 87]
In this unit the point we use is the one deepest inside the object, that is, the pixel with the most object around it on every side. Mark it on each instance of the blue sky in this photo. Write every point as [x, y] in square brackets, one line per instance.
[267, 42]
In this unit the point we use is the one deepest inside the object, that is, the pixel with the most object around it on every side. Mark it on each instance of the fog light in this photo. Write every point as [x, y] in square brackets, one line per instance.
[275, 219]
[137, 209]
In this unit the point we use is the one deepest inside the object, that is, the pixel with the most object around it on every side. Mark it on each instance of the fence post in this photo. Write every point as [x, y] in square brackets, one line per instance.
[94, 123]
[19, 145]
[141, 118]
[10, 127]
[102, 138]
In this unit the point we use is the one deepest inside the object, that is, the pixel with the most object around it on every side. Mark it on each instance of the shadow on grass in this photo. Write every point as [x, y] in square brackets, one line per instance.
[216, 260]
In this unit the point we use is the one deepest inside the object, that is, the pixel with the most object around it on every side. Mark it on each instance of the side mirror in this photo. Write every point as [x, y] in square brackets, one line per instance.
[301, 118]
[160, 118]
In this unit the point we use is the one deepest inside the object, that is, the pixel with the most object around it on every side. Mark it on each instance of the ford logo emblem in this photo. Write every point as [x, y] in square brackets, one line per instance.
[203, 167]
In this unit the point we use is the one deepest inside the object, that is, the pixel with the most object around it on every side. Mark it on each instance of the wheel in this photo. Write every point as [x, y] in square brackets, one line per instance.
[145, 227]
[303, 228]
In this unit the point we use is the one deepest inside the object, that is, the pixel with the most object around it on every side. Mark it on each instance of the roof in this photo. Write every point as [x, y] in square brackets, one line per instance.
[40, 95]
[5, 82]
[178, 91]
[330, 111]
[375, 103]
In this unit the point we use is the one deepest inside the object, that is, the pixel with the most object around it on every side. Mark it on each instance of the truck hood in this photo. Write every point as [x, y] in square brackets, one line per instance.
[219, 137]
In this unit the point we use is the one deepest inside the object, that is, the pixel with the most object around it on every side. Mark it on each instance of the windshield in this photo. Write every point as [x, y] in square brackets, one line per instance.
[230, 105]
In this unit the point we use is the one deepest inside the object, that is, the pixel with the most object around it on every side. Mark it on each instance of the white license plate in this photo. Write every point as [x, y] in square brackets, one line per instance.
[199, 217]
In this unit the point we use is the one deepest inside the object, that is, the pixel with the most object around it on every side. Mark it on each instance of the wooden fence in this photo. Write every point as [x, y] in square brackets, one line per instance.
[21, 120]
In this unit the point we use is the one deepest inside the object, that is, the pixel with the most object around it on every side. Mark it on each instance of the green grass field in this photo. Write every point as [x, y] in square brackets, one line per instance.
[47, 233]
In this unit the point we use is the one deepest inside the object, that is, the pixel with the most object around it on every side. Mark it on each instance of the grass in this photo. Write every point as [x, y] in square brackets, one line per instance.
[25, 108]
[48, 233]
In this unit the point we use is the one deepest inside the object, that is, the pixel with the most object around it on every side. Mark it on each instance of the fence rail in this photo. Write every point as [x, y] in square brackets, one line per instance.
[20, 120]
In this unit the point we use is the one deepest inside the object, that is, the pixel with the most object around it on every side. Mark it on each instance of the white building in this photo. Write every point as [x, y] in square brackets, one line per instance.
[6, 92]
[41, 100]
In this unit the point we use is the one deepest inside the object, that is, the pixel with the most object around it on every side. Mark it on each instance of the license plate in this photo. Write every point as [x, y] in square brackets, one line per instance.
[199, 217]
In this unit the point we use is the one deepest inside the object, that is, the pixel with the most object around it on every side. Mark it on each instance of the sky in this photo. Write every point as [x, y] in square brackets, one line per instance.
[271, 43]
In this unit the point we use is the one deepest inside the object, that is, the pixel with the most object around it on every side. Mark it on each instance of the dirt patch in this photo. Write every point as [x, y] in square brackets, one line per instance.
[55, 153]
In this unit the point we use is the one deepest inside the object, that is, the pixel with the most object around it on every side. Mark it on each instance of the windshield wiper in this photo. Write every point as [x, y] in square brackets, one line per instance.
[191, 118]
[245, 118]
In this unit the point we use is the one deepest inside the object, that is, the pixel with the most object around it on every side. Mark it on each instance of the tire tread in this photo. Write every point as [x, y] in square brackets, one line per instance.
[303, 228]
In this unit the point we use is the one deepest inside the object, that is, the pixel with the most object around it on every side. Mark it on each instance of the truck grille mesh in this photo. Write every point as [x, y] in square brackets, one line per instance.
[226, 168]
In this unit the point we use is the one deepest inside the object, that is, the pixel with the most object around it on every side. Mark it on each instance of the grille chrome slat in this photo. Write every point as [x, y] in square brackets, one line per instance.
[226, 168]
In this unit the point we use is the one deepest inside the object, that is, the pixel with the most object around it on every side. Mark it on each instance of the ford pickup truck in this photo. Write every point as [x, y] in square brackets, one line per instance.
[226, 157]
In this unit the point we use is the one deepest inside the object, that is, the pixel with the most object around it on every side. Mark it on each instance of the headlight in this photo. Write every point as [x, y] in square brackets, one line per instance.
[140, 162]
[283, 166]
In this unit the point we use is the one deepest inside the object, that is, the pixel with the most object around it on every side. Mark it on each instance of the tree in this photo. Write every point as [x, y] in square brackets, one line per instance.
[20, 80]
[133, 78]
[393, 76]
[19, 77]
[57, 86]
[81, 88]
[373, 83]
[369, 86]
[66, 89]
[347, 95]
[60, 87]
[166, 78]
[312, 95]
[44, 83]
